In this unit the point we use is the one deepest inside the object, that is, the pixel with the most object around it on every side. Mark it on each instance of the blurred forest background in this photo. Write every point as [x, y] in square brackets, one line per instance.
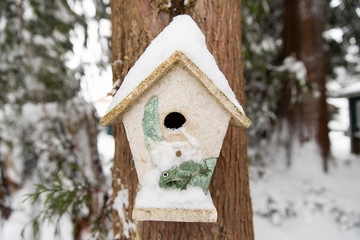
[53, 152]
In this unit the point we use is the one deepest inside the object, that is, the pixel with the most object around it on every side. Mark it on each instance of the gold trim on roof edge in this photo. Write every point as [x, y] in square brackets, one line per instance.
[114, 115]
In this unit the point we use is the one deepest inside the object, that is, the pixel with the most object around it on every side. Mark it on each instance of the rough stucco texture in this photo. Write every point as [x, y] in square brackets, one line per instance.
[177, 91]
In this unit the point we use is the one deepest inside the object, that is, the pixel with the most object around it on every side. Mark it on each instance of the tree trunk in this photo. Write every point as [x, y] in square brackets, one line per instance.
[135, 24]
[303, 28]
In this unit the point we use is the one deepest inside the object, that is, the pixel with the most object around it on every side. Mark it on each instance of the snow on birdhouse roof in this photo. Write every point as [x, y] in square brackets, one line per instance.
[181, 41]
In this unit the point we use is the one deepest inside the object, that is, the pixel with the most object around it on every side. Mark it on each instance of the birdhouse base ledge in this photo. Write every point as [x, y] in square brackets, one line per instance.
[174, 215]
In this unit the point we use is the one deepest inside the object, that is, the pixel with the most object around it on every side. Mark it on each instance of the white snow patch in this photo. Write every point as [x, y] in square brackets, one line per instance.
[190, 198]
[334, 33]
[120, 202]
[268, 44]
[24, 212]
[300, 229]
[351, 89]
[106, 146]
[305, 155]
[335, 3]
[168, 5]
[163, 154]
[184, 35]
[117, 61]
[304, 203]
[48, 229]
[341, 120]
[296, 67]
[43, 41]
[340, 146]
[358, 11]
[3, 23]
[299, 206]
[63, 14]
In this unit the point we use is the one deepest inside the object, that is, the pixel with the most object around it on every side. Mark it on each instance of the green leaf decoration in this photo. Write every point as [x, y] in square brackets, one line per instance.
[210, 163]
[151, 126]
[190, 172]
[203, 179]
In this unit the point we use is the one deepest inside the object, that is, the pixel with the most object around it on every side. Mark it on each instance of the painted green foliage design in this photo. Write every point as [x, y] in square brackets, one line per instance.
[188, 173]
[151, 124]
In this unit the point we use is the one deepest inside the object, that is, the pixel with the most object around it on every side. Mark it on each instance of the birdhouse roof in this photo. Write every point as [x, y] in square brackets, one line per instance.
[180, 42]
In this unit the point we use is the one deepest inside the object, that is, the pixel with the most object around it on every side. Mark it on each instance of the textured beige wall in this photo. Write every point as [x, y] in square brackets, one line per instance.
[178, 91]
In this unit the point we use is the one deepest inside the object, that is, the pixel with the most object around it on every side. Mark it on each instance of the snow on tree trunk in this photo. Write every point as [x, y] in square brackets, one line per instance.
[134, 25]
[303, 28]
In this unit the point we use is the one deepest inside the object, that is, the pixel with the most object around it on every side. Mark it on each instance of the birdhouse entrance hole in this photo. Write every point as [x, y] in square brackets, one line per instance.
[174, 120]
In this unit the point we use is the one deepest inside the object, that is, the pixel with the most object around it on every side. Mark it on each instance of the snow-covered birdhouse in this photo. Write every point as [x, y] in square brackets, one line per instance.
[176, 106]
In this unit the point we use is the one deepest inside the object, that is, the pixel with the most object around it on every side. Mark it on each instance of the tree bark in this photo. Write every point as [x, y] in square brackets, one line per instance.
[303, 28]
[135, 24]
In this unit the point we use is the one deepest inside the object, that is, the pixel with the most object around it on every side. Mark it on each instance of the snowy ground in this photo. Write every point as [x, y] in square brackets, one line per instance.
[305, 204]
[302, 229]
[289, 205]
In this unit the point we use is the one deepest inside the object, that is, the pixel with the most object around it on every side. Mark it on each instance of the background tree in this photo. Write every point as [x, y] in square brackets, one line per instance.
[285, 70]
[48, 133]
[303, 29]
[266, 72]
[135, 24]
[263, 70]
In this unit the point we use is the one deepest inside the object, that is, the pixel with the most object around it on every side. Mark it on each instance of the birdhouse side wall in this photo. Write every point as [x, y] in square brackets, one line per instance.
[200, 137]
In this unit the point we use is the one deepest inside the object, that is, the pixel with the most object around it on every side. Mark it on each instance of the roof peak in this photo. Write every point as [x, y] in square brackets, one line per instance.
[181, 35]
[148, 82]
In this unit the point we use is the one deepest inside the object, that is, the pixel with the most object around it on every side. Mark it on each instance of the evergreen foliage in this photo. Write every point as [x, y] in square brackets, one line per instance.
[35, 40]
[48, 133]
[343, 51]
[73, 200]
[266, 69]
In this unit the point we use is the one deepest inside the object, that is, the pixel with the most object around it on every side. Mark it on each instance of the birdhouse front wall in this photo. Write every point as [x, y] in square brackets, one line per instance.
[196, 129]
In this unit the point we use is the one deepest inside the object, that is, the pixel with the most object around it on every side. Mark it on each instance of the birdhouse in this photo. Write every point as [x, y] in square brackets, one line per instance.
[176, 106]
